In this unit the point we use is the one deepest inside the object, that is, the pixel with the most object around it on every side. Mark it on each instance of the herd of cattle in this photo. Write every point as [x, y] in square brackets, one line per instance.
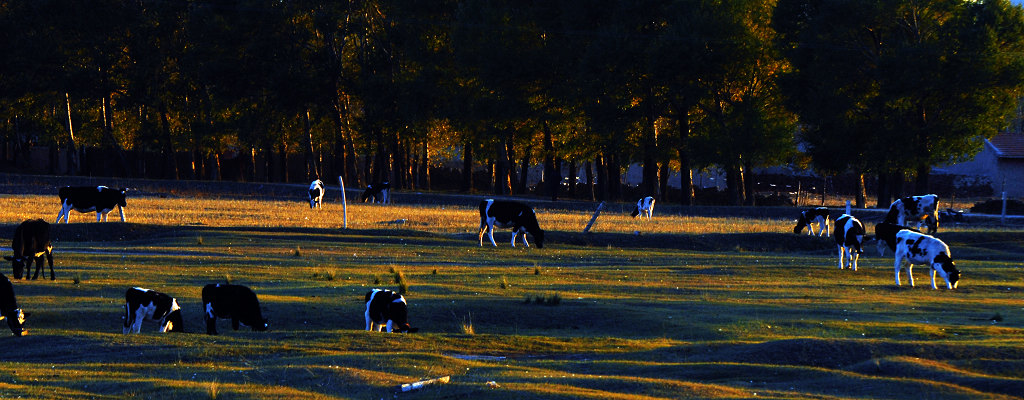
[388, 310]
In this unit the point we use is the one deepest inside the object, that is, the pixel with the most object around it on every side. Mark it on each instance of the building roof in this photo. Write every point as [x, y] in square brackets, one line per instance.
[1008, 145]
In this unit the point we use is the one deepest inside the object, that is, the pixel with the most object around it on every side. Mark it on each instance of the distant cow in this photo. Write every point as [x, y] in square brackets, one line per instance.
[920, 209]
[387, 309]
[378, 193]
[144, 304]
[316, 194]
[100, 199]
[644, 208]
[885, 233]
[917, 248]
[31, 242]
[849, 235]
[509, 214]
[9, 307]
[818, 216]
[236, 302]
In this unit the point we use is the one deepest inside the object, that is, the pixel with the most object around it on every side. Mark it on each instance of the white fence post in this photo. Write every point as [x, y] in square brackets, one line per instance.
[344, 204]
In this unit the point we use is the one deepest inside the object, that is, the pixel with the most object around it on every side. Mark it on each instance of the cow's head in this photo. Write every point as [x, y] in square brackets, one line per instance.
[399, 314]
[174, 322]
[801, 222]
[18, 264]
[944, 264]
[636, 212]
[122, 199]
[262, 326]
[538, 236]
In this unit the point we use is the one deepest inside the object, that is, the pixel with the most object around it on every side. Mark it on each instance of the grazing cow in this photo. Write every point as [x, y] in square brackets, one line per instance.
[885, 234]
[231, 301]
[849, 235]
[31, 241]
[505, 214]
[144, 304]
[385, 305]
[918, 248]
[377, 193]
[100, 199]
[9, 307]
[813, 216]
[922, 209]
[316, 194]
[644, 208]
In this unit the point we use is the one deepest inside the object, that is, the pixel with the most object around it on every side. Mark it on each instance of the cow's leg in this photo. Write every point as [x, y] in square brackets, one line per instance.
[211, 320]
[490, 233]
[64, 208]
[390, 326]
[483, 230]
[898, 262]
[369, 322]
[524, 240]
[100, 215]
[39, 266]
[49, 260]
[514, 233]
[827, 233]
[120, 211]
[910, 274]
[842, 257]
[140, 314]
[127, 320]
[931, 271]
[854, 255]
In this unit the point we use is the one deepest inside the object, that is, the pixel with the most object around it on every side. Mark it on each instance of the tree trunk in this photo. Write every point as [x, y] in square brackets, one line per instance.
[73, 160]
[921, 181]
[501, 181]
[589, 167]
[312, 167]
[614, 177]
[663, 181]
[573, 177]
[734, 184]
[467, 166]
[108, 136]
[550, 175]
[602, 179]
[524, 172]
[861, 195]
[749, 184]
[170, 163]
[883, 195]
[425, 165]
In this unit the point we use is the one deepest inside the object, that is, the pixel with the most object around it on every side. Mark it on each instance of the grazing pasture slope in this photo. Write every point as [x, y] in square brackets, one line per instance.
[720, 307]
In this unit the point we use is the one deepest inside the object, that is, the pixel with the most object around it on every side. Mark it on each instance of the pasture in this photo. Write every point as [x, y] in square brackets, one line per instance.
[679, 307]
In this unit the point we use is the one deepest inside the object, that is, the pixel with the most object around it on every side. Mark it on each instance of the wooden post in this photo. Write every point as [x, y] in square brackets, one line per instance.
[594, 218]
[1002, 218]
[344, 204]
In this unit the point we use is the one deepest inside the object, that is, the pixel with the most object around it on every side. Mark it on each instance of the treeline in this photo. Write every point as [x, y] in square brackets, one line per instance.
[382, 90]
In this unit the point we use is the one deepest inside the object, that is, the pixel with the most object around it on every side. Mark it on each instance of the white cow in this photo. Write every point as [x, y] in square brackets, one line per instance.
[644, 208]
[918, 248]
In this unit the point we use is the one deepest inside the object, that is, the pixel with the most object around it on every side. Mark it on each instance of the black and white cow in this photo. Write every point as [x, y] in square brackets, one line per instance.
[236, 302]
[818, 216]
[918, 248]
[920, 209]
[31, 242]
[885, 234]
[644, 208]
[387, 309]
[316, 194]
[9, 307]
[377, 193]
[849, 235]
[144, 304]
[509, 214]
[100, 199]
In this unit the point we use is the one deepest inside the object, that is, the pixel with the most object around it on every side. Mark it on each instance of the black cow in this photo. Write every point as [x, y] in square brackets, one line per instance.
[385, 308]
[885, 233]
[231, 301]
[818, 216]
[316, 194]
[504, 213]
[9, 307]
[144, 304]
[31, 241]
[849, 235]
[378, 193]
[100, 199]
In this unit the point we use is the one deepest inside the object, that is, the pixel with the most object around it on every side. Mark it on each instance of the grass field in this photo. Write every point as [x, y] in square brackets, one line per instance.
[680, 307]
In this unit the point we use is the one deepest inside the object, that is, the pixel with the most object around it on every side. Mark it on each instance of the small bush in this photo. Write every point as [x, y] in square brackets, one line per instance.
[325, 275]
[403, 286]
[552, 300]
[376, 280]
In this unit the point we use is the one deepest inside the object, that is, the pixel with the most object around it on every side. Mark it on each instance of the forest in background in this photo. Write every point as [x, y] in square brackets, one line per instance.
[369, 90]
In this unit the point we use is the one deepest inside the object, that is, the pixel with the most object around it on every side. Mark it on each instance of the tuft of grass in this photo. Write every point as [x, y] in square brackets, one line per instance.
[551, 300]
[199, 240]
[227, 278]
[324, 275]
[467, 326]
[76, 278]
[536, 270]
[212, 391]
[504, 283]
[376, 280]
[434, 272]
[298, 252]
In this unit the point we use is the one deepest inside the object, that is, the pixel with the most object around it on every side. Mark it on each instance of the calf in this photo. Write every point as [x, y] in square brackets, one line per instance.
[813, 216]
[377, 193]
[505, 214]
[144, 304]
[849, 235]
[100, 199]
[316, 194]
[885, 234]
[385, 305]
[644, 208]
[917, 248]
[231, 301]
[31, 241]
[9, 307]
[922, 209]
